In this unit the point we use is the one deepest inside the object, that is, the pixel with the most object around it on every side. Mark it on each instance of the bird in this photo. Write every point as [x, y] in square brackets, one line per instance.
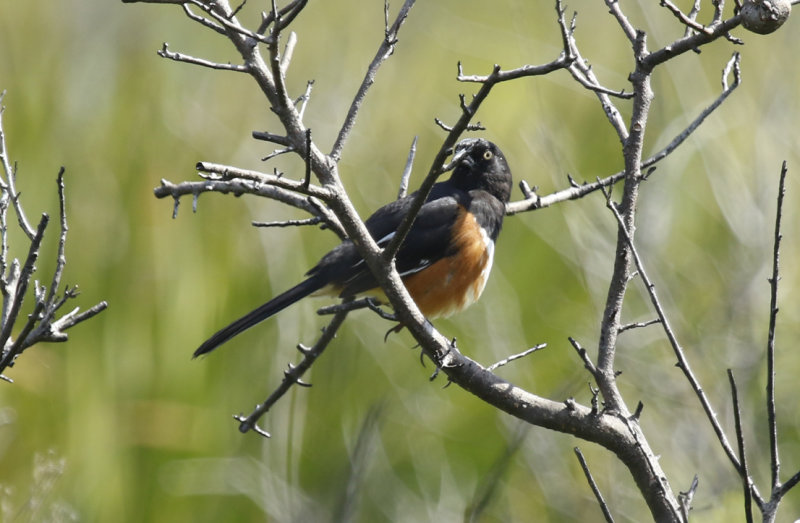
[445, 258]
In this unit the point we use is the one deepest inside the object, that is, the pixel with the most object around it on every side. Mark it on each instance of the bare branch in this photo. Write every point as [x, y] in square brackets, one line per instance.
[513, 74]
[743, 471]
[292, 375]
[732, 65]
[695, 10]
[595, 490]
[288, 223]
[14, 282]
[506, 361]
[269, 137]
[286, 16]
[403, 190]
[574, 192]
[203, 21]
[227, 172]
[21, 288]
[61, 259]
[278, 68]
[19, 345]
[164, 52]
[228, 21]
[303, 100]
[363, 303]
[639, 325]
[599, 89]
[288, 52]
[685, 20]
[384, 51]
[239, 186]
[788, 485]
[685, 498]
[683, 363]
[584, 355]
[715, 30]
[9, 184]
[775, 465]
[622, 20]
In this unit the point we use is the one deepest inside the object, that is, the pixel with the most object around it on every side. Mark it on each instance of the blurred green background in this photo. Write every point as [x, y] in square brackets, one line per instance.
[119, 424]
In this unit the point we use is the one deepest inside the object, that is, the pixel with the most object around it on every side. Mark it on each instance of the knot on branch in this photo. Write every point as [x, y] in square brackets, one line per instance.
[765, 16]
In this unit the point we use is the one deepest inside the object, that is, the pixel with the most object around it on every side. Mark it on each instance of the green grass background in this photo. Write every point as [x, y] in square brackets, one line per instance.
[119, 424]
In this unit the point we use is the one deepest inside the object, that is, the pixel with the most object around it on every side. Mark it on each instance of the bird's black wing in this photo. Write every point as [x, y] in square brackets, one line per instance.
[428, 241]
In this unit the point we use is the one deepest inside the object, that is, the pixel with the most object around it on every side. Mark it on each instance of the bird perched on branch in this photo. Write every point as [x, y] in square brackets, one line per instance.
[444, 260]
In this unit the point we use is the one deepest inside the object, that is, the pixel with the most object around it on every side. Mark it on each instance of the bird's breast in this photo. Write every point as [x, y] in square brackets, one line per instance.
[455, 282]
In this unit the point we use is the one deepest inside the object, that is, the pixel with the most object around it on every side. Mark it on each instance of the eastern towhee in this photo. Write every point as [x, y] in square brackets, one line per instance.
[445, 259]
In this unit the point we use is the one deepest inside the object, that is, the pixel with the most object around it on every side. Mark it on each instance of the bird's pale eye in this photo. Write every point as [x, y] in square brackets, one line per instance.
[487, 155]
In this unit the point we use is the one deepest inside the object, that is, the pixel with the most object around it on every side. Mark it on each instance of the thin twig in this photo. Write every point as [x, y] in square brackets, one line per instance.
[288, 223]
[239, 186]
[691, 42]
[683, 363]
[276, 63]
[639, 325]
[21, 343]
[695, 10]
[307, 180]
[788, 485]
[304, 99]
[506, 361]
[403, 190]
[201, 20]
[588, 84]
[595, 489]
[292, 375]
[731, 66]
[385, 50]
[584, 355]
[21, 288]
[269, 137]
[744, 473]
[164, 52]
[286, 15]
[227, 172]
[363, 303]
[685, 498]
[575, 192]
[622, 20]
[773, 314]
[228, 23]
[685, 20]
[71, 319]
[277, 152]
[9, 184]
[288, 52]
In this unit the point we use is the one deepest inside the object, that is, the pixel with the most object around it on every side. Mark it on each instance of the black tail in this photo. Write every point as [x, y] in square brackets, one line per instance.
[273, 306]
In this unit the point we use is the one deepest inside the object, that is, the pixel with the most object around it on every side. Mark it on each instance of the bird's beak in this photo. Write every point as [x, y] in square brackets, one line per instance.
[460, 153]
